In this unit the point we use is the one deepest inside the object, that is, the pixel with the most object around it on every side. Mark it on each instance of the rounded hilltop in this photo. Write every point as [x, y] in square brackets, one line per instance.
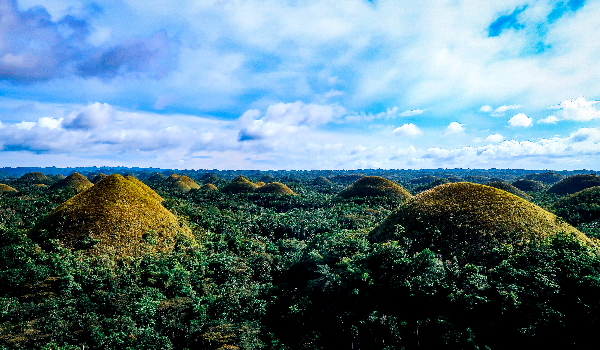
[528, 185]
[581, 207]
[34, 176]
[6, 188]
[239, 185]
[469, 221]
[275, 188]
[75, 181]
[374, 186]
[117, 217]
[182, 183]
[505, 186]
[208, 187]
[574, 183]
[98, 178]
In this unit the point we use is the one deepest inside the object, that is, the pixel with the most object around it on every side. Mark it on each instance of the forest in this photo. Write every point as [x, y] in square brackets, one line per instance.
[129, 258]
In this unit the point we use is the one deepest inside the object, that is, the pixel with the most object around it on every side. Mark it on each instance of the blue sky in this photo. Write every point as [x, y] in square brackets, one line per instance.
[300, 84]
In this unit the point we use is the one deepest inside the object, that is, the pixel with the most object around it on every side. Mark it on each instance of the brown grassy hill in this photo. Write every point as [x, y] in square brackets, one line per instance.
[505, 186]
[374, 186]
[475, 223]
[185, 184]
[208, 187]
[145, 187]
[275, 188]
[6, 188]
[172, 178]
[528, 185]
[98, 178]
[75, 181]
[34, 176]
[574, 183]
[239, 185]
[116, 217]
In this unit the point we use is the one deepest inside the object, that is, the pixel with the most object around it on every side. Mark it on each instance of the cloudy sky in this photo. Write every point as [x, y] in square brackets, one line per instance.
[300, 84]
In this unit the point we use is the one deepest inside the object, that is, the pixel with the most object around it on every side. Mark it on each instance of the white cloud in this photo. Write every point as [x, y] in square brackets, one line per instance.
[93, 116]
[486, 108]
[579, 109]
[505, 108]
[282, 119]
[412, 112]
[520, 120]
[408, 130]
[495, 138]
[50, 123]
[548, 120]
[454, 128]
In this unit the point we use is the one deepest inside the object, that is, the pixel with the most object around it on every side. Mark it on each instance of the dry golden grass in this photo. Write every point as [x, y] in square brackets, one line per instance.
[145, 187]
[208, 187]
[40, 185]
[374, 186]
[120, 216]
[74, 181]
[6, 188]
[172, 178]
[182, 183]
[505, 186]
[239, 185]
[275, 188]
[470, 221]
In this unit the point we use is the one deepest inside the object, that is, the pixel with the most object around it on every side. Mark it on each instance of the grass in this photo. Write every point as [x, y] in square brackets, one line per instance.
[374, 186]
[74, 181]
[117, 217]
[504, 186]
[98, 178]
[239, 185]
[208, 187]
[529, 185]
[574, 183]
[475, 223]
[581, 207]
[34, 176]
[275, 188]
[184, 183]
[6, 188]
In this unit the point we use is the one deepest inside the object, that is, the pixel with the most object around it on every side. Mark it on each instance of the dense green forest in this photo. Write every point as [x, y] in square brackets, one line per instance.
[369, 259]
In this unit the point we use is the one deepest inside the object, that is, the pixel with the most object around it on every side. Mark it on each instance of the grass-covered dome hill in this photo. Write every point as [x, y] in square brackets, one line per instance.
[75, 181]
[34, 176]
[6, 188]
[275, 188]
[374, 186]
[574, 184]
[529, 185]
[579, 208]
[505, 186]
[117, 217]
[208, 187]
[475, 223]
[239, 185]
[98, 178]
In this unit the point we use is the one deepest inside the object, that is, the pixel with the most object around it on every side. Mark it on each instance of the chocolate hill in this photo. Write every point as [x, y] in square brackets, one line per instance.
[98, 178]
[505, 186]
[208, 187]
[34, 176]
[374, 186]
[239, 185]
[6, 188]
[574, 183]
[117, 217]
[74, 181]
[275, 188]
[528, 185]
[581, 207]
[475, 223]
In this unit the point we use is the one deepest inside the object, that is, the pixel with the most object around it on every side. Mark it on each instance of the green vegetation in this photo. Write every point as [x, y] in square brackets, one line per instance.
[135, 263]
[575, 183]
[528, 185]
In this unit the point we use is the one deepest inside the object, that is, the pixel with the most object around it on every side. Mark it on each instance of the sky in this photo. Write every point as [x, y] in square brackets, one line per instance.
[300, 84]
